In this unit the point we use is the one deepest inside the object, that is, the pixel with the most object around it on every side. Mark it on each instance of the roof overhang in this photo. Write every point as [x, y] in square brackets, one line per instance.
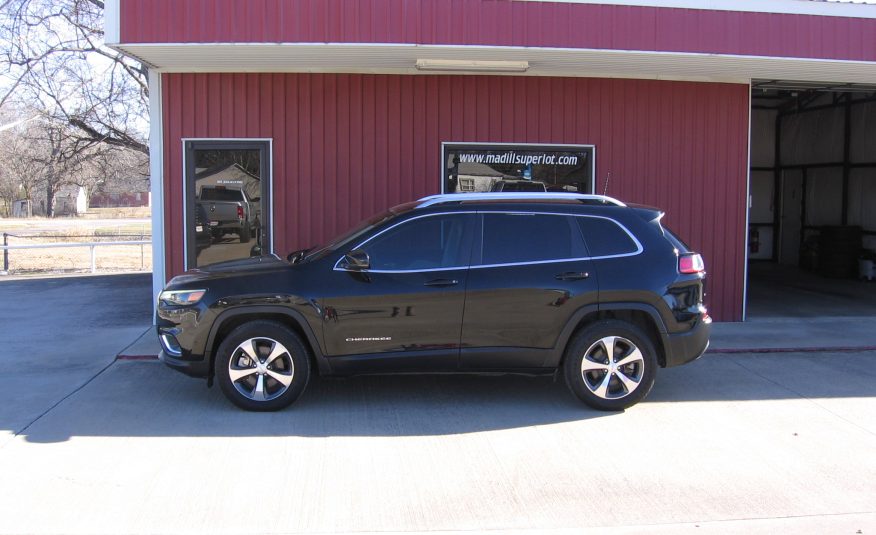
[402, 59]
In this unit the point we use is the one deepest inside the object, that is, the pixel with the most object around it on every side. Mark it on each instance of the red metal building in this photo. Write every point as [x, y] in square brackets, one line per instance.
[342, 108]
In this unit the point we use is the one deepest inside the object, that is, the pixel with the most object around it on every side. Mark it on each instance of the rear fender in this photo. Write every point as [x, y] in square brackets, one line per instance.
[599, 311]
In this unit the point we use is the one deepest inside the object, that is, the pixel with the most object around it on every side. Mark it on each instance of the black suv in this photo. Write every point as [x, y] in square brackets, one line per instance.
[532, 283]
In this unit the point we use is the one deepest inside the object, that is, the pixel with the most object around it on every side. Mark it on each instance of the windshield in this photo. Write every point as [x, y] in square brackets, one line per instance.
[354, 233]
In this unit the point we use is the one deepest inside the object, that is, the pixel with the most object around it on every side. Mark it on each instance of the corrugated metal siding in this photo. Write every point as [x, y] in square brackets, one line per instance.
[498, 22]
[346, 146]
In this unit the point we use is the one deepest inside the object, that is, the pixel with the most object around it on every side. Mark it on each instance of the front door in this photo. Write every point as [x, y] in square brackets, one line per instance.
[404, 313]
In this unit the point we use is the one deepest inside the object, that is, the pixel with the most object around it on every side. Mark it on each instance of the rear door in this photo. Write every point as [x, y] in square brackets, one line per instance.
[530, 272]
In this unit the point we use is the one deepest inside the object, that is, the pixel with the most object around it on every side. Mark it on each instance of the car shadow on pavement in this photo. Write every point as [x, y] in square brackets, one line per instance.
[145, 399]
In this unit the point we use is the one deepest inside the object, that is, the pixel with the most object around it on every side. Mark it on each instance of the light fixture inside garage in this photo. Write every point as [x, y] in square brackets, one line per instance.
[471, 65]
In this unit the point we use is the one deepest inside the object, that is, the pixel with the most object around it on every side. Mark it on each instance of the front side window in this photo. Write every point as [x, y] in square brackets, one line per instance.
[524, 238]
[424, 243]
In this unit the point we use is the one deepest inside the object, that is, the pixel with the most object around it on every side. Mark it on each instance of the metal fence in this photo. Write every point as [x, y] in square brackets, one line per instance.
[94, 241]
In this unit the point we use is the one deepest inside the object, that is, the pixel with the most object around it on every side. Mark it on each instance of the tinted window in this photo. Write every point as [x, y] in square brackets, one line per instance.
[519, 186]
[511, 238]
[214, 194]
[605, 238]
[426, 243]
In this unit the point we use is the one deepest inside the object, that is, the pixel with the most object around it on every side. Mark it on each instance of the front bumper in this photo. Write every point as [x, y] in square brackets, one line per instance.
[192, 368]
[685, 347]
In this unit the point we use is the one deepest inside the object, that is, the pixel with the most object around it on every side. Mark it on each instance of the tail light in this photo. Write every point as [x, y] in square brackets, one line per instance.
[239, 212]
[691, 263]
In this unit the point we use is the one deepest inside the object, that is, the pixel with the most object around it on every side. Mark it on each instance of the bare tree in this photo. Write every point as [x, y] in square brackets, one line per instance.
[23, 161]
[110, 169]
[54, 58]
[9, 191]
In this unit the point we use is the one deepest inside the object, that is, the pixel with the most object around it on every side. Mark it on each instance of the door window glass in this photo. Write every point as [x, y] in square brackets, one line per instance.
[514, 238]
[228, 207]
[432, 242]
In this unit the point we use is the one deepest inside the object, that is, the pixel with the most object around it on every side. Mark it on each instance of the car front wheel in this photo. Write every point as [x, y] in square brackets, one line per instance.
[262, 366]
[610, 365]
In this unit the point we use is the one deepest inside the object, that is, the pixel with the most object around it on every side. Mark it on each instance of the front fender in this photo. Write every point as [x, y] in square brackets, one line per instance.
[260, 312]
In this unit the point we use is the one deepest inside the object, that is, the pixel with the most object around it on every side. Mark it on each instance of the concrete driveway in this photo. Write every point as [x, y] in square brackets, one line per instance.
[731, 443]
[58, 333]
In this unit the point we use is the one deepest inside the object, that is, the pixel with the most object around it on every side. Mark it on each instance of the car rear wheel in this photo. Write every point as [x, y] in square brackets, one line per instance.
[262, 366]
[610, 365]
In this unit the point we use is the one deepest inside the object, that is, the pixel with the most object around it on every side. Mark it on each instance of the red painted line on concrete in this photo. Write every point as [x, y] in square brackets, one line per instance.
[838, 349]
[137, 357]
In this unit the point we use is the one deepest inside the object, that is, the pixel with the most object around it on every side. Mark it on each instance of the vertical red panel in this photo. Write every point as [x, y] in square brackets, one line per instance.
[274, 106]
[306, 196]
[329, 155]
[406, 135]
[289, 234]
[343, 141]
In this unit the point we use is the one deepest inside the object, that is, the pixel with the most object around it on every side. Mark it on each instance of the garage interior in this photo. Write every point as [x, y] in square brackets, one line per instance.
[812, 206]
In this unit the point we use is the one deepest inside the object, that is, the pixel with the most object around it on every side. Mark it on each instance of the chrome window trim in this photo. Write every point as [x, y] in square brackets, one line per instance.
[429, 270]
[638, 251]
[387, 229]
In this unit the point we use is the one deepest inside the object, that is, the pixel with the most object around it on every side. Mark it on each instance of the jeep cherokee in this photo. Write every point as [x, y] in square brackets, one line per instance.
[532, 283]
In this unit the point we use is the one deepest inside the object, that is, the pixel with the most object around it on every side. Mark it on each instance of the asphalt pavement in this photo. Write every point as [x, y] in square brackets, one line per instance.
[733, 443]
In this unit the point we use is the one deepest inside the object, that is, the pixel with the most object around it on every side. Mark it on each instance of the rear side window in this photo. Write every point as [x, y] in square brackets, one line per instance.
[605, 237]
[521, 238]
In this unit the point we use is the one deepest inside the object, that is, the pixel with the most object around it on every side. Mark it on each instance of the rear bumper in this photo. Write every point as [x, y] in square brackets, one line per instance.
[685, 347]
[192, 368]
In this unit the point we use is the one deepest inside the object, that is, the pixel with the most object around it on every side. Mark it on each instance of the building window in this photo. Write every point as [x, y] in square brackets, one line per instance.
[472, 168]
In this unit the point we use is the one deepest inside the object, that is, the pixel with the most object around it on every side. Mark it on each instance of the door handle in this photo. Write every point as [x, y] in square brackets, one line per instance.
[441, 282]
[572, 276]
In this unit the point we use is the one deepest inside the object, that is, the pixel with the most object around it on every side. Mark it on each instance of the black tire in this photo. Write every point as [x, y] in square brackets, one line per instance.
[294, 363]
[617, 396]
[245, 233]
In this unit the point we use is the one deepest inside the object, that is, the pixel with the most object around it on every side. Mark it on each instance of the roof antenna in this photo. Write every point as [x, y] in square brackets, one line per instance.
[607, 180]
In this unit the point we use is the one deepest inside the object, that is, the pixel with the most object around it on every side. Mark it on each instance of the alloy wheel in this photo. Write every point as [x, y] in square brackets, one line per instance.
[261, 369]
[612, 367]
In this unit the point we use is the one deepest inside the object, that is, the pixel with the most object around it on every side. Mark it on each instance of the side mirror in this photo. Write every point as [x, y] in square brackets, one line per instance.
[357, 260]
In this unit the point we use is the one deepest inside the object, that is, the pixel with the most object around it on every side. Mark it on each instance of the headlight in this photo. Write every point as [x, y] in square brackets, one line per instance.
[181, 297]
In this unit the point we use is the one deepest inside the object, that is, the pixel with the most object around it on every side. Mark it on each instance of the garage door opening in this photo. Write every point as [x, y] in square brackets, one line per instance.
[812, 207]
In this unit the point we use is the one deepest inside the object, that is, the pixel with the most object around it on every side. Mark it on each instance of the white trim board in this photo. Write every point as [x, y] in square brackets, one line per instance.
[156, 184]
[111, 22]
[565, 62]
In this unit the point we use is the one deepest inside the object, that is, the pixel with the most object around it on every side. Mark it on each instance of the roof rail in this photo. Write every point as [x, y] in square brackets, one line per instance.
[511, 196]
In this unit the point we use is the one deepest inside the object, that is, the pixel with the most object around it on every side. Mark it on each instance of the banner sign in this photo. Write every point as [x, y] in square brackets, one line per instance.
[471, 168]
